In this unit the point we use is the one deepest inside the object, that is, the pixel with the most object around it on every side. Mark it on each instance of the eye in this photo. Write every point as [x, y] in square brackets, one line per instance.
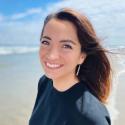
[44, 42]
[67, 46]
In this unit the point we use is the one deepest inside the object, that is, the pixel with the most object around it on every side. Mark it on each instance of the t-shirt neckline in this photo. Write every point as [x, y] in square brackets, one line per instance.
[69, 90]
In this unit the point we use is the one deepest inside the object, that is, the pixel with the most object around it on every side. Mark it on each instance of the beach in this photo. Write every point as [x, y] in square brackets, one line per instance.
[19, 75]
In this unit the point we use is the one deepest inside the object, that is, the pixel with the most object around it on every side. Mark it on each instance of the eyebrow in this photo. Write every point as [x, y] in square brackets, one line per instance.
[46, 37]
[62, 41]
[68, 41]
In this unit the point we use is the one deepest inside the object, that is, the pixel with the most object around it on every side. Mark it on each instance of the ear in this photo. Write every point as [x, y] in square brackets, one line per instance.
[82, 58]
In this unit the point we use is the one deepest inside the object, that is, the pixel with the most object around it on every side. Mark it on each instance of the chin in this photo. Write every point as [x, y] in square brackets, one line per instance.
[52, 76]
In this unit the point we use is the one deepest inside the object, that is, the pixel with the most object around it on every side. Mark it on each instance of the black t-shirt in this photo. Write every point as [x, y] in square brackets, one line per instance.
[75, 106]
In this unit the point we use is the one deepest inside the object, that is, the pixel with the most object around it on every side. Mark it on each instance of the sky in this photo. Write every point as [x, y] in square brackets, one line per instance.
[9, 7]
[21, 20]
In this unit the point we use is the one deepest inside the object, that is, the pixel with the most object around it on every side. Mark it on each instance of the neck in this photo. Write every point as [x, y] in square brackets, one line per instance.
[63, 84]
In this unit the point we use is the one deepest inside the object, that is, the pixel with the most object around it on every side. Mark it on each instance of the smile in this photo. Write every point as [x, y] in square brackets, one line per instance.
[53, 66]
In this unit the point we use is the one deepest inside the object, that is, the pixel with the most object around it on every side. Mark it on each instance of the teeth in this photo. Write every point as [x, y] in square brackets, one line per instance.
[52, 65]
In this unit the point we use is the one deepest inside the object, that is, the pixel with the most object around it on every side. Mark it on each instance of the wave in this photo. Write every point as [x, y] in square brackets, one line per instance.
[117, 50]
[7, 50]
[120, 54]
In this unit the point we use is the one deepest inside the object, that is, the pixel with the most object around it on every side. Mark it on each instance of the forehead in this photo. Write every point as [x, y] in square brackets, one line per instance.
[60, 29]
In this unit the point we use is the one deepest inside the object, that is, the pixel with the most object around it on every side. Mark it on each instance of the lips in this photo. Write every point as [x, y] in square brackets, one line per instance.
[53, 65]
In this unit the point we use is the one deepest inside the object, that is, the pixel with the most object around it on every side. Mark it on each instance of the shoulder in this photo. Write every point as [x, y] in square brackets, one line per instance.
[91, 108]
[43, 82]
[42, 85]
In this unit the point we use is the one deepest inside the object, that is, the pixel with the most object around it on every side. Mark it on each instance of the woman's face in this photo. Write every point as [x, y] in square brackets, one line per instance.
[60, 50]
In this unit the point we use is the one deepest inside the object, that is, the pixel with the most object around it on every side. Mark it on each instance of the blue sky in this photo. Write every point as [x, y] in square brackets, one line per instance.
[21, 20]
[8, 7]
[18, 9]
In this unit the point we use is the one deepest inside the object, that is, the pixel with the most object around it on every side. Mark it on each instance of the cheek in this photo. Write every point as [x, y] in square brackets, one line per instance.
[71, 58]
[41, 54]
[77, 59]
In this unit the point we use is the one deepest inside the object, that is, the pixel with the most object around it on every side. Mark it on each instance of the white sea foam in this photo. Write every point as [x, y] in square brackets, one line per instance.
[112, 100]
[118, 49]
[6, 50]
[119, 69]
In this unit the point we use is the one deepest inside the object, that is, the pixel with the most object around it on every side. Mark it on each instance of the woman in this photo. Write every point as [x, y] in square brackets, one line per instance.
[76, 83]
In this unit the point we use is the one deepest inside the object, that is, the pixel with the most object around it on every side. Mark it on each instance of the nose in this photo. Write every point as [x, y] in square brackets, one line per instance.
[53, 54]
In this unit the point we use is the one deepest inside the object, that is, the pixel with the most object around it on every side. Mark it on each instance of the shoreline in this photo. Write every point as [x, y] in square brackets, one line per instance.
[120, 103]
[116, 103]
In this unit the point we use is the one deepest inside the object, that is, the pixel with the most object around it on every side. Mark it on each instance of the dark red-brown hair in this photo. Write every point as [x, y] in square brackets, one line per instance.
[96, 69]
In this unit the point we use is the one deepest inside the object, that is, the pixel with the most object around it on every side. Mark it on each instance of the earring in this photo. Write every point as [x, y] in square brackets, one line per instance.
[78, 70]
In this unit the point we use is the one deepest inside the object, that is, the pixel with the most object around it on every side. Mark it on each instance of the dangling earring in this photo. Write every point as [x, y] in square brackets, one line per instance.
[78, 70]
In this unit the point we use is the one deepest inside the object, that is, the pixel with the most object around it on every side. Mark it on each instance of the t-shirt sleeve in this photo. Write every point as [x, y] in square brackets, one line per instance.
[90, 119]
[92, 111]
[93, 118]
[99, 121]
[97, 116]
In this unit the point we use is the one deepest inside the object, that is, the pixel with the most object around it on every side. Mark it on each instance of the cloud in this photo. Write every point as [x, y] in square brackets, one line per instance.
[15, 31]
[1, 18]
[101, 13]
[20, 33]
[29, 12]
